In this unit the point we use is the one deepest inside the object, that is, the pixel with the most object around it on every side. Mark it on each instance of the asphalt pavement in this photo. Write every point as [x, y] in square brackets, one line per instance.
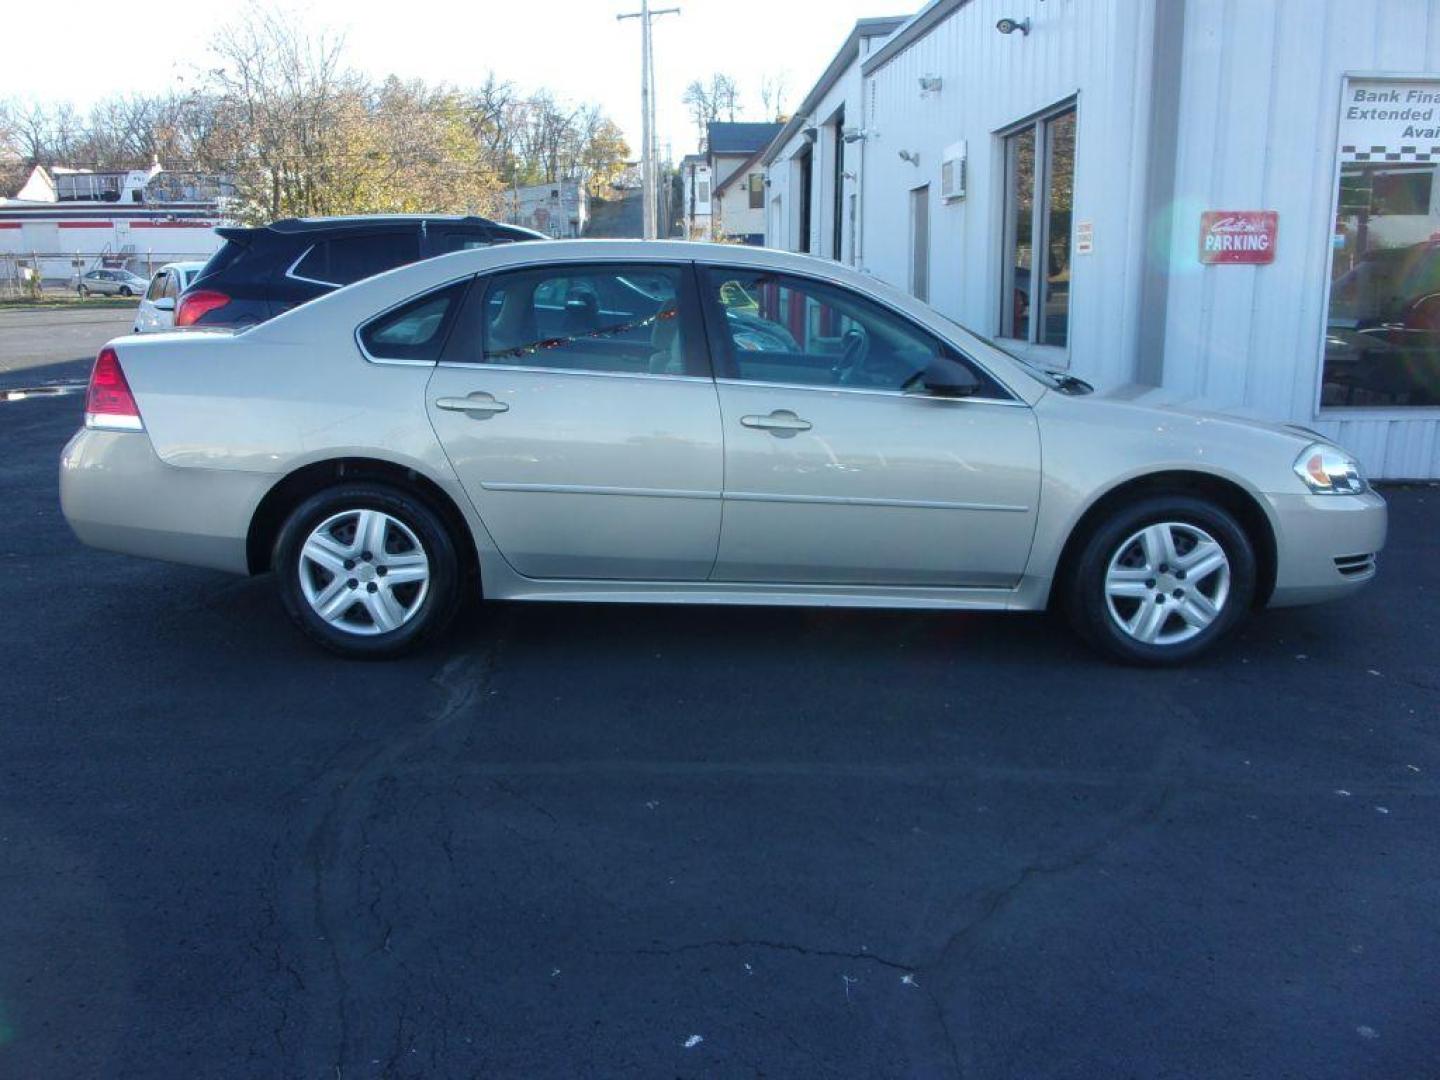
[603, 841]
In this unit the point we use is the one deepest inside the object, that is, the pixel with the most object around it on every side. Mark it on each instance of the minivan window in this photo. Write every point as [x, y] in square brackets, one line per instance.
[347, 259]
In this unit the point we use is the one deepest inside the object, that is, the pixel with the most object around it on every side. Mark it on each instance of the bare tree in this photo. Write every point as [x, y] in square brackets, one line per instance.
[772, 94]
[710, 101]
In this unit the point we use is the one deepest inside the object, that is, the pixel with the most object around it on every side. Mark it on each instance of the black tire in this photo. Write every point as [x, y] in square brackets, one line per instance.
[84, 292]
[1088, 606]
[442, 594]
[125, 290]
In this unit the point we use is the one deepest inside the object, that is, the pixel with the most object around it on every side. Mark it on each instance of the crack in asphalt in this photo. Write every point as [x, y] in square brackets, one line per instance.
[781, 946]
[360, 777]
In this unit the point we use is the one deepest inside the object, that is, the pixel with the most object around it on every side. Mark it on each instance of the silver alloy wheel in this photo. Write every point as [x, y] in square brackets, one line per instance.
[364, 572]
[1167, 583]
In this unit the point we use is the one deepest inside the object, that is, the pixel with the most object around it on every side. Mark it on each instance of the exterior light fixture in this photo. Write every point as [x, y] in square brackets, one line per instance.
[930, 84]
[1009, 26]
[912, 156]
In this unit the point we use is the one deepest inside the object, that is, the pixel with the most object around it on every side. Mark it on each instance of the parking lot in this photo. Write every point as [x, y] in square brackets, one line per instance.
[605, 841]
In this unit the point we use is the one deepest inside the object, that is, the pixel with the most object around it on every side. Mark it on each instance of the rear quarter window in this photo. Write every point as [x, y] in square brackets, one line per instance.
[416, 330]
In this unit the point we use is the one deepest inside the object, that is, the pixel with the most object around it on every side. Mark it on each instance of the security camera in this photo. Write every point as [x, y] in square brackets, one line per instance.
[1009, 26]
[854, 134]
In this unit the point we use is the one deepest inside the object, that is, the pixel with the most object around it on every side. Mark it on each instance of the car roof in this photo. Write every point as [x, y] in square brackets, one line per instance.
[290, 226]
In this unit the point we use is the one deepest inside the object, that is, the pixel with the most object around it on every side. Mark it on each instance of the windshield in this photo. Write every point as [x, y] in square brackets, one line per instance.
[1053, 380]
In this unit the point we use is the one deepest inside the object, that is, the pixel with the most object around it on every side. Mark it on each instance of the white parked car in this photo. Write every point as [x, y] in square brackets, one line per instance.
[157, 308]
[110, 283]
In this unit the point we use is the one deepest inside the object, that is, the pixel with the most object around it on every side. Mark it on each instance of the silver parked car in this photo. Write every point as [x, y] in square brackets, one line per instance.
[688, 423]
[117, 282]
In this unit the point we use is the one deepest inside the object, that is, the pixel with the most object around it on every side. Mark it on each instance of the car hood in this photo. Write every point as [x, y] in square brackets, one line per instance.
[1140, 401]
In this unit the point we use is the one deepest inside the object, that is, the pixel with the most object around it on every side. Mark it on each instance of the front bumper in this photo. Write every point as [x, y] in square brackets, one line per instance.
[1326, 545]
[117, 494]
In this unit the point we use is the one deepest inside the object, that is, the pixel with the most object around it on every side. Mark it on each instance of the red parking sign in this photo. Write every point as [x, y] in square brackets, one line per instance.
[1238, 236]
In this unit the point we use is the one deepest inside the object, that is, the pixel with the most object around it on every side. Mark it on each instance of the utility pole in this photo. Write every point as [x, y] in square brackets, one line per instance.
[648, 164]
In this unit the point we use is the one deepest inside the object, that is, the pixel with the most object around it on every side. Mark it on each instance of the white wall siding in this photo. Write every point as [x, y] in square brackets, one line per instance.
[1097, 51]
[1259, 114]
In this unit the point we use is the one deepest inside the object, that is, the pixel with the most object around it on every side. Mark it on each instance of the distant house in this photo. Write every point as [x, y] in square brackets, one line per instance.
[560, 209]
[695, 182]
[730, 174]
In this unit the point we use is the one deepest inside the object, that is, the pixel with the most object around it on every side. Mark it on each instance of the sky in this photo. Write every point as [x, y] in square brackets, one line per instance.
[576, 48]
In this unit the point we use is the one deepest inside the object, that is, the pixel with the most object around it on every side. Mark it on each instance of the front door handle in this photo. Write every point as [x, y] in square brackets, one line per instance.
[780, 421]
[477, 403]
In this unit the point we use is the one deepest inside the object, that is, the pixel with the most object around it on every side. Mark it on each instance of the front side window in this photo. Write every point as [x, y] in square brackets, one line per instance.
[172, 285]
[1039, 193]
[157, 286]
[415, 331]
[784, 329]
[618, 318]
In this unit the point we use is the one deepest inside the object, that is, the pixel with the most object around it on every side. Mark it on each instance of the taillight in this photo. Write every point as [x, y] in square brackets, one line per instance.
[109, 402]
[195, 304]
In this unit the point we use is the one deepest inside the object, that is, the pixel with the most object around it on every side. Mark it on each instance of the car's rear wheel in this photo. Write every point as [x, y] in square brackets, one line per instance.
[1162, 580]
[125, 290]
[367, 570]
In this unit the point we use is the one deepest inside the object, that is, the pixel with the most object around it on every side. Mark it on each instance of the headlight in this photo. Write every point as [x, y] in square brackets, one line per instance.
[1328, 470]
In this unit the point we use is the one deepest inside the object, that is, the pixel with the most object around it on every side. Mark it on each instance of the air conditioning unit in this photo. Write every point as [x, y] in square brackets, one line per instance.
[952, 172]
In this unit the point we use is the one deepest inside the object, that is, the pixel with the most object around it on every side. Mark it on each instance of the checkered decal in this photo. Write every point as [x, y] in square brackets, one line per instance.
[1385, 153]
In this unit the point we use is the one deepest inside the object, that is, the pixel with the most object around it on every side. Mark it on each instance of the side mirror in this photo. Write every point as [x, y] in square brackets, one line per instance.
[945, 377]
[165, 303]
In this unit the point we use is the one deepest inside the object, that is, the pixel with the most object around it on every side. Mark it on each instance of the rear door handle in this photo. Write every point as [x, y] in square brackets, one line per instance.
[478, 402]
[780, 420]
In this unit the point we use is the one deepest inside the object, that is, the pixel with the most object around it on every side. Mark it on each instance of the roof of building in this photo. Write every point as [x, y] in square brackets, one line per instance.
[849, 51]
[723, 137]
[915, 28]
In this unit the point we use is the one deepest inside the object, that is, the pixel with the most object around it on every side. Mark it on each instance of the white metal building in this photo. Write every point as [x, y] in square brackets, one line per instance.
[64, 221]
[1232, 201]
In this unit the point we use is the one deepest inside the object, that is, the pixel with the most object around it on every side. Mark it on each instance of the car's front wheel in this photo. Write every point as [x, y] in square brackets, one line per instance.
[367, 570]
[84, 292]
[1162, 580]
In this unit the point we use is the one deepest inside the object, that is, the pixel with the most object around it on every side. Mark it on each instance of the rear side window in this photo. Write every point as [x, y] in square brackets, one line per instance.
[228, 253]
[582, 318]
[417, 330]
[347, 259]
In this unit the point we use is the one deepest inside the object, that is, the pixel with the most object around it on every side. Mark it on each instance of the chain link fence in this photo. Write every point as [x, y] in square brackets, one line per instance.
[39, 275]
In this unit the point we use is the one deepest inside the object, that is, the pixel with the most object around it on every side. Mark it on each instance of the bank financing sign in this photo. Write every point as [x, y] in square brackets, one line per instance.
[1390, 120]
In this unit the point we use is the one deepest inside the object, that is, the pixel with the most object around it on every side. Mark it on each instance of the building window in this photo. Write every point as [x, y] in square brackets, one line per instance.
[920, 243]
[757, 191]
[702, 192]
[1039, 191]
[1382, 327]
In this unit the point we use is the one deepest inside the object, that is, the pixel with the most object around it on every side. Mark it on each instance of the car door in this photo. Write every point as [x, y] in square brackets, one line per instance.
[588, 439]
[147, 318]
[840, 467]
